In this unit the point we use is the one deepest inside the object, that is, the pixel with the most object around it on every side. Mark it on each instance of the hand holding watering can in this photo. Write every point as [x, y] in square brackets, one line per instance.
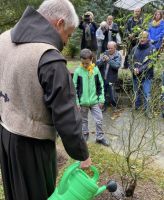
[77, 185]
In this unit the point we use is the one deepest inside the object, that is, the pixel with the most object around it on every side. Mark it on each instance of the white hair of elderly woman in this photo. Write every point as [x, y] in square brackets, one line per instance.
[59, 9]
[103, 24]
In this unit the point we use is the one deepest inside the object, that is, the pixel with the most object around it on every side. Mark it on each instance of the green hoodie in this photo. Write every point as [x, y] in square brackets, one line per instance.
[89, 87]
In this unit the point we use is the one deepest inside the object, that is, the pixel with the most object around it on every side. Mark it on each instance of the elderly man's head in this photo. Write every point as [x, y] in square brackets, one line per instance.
[61, 15]
[144, 37]
[112, 46]
[137, 12]
[109, 19]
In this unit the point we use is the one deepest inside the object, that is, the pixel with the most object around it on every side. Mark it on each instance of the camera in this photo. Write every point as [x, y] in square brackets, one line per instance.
[105, 58]
[87, 18]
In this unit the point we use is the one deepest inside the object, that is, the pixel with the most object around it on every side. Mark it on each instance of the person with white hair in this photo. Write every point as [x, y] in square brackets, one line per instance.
[100, 37]
[142, 68]
[109, 64]
[37, 101]
[112, 33]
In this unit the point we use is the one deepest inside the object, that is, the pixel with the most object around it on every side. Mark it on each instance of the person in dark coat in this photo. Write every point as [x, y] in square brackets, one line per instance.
[37, 101]
[135, 21]
[89, 27]
[109, 64]
[142, 71]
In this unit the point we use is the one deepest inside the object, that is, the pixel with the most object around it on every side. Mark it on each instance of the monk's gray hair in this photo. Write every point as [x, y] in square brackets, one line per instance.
[59, 9]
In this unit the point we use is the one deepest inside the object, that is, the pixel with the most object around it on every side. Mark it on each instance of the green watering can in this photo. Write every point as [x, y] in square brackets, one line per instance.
[77, 185]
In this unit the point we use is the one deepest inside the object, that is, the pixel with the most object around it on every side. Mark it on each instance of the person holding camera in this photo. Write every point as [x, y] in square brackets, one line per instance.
[89, 28]
[109, 65]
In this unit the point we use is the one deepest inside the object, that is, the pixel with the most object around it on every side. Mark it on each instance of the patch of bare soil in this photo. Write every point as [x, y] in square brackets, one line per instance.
[147, 190]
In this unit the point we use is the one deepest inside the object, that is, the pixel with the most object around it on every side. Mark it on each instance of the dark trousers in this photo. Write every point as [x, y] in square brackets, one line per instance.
[110, 94]
[28, 166]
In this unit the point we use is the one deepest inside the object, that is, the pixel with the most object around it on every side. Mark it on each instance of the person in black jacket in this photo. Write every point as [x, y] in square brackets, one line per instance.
[132, 36]
[89, 27]
[37, 77]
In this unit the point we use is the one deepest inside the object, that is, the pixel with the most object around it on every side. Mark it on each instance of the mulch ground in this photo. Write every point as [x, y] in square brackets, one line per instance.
[145, 190]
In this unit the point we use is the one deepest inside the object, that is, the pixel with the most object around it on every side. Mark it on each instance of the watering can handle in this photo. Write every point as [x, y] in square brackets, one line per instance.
[63, 183]
[96, 173]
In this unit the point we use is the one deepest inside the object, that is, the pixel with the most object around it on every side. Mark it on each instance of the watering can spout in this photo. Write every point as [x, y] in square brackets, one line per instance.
[111, 186]
[100, 190]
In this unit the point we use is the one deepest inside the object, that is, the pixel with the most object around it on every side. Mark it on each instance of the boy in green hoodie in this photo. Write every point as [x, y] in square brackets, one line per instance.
[90, 94]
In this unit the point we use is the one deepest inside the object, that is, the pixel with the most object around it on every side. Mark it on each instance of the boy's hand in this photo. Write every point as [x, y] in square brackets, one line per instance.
[101, 105]
[79, 108]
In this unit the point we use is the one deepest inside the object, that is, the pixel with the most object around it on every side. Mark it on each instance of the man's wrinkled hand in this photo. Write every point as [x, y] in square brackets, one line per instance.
[79, 107]
[131, 36]
[85, 164]
[136, 71]
[105, 58]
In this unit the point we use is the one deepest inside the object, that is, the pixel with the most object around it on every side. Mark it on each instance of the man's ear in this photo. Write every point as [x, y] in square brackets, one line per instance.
[60, 23]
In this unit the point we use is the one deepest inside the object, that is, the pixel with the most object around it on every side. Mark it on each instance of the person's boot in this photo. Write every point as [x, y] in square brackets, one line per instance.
[104, 109]
[86, 136]
[103, 141]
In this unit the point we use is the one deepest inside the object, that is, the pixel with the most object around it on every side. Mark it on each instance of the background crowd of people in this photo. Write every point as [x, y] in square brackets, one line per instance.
[37, 93]
[105, 42]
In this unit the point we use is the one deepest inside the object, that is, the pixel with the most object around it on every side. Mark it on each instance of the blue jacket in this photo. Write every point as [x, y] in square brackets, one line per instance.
[140, 59]
[156, 33]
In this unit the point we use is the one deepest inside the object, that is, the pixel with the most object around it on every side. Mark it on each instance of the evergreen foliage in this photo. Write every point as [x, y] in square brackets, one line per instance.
[11, 11]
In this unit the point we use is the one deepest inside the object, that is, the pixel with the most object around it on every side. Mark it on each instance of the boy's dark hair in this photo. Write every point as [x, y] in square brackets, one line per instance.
[86, 53]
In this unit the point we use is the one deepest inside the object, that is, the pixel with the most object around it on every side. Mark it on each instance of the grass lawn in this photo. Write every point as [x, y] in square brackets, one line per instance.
[72, 64]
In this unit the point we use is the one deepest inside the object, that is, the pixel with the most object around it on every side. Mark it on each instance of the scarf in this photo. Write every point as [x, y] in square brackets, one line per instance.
[89, 68]
[155, 23]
